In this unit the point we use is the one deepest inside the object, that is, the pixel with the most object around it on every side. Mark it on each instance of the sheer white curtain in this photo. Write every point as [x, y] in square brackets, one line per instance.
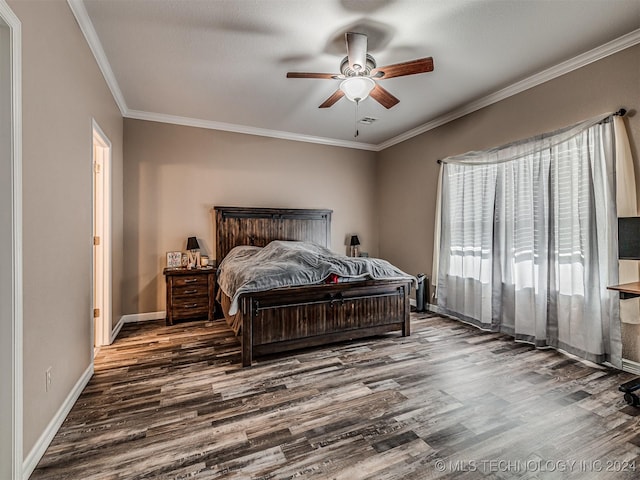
[467, 235]
[529, 240]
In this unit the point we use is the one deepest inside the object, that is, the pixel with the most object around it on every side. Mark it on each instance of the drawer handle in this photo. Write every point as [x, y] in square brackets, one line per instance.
[190, 280]
[191, 305]
[195, 290]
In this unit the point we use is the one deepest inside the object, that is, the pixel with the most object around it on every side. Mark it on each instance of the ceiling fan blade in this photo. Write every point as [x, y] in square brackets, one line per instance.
[383, 97]
[337, 95]
[421, 65]
[328, 76]
[356, 50]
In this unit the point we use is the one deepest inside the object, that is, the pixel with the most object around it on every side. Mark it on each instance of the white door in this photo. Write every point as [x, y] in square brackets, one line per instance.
[101, 238]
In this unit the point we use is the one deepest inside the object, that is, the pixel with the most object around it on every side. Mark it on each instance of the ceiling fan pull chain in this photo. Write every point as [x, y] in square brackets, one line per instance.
[355, 123]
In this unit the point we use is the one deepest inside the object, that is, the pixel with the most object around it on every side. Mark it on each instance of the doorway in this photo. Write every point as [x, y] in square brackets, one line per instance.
[101, 179]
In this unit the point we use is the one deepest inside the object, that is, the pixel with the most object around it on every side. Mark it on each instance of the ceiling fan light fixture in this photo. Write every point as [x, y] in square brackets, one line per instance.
[360, 74]
[358, 88]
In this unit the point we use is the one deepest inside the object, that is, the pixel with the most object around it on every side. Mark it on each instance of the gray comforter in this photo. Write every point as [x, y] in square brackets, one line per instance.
[282, 263]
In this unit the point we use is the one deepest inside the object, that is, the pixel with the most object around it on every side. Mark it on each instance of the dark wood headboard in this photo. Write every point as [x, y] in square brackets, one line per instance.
[258, 226]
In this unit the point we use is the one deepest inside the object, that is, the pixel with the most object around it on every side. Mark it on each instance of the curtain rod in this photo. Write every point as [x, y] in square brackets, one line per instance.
[621, 113]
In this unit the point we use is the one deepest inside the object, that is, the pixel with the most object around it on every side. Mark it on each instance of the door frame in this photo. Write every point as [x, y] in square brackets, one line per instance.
[14, 328]
[101, 154]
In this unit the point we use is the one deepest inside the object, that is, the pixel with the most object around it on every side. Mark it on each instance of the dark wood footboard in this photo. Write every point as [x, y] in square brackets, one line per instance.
[292, 318]
[298, 317]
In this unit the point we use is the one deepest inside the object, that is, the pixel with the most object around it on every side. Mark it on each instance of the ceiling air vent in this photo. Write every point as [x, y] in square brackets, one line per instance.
[367, 120]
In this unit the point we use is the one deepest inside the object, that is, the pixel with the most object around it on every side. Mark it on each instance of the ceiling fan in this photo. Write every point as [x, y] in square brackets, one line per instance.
[359, 74]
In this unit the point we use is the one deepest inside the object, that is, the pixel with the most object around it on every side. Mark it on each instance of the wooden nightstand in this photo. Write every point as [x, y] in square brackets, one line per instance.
[190, 294]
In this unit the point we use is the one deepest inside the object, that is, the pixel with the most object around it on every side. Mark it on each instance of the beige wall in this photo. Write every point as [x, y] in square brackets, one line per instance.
[174, 175]
[62, 90]
[407, 173]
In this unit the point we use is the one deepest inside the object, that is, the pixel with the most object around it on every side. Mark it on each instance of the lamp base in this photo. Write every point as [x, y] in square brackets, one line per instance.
[193, 259]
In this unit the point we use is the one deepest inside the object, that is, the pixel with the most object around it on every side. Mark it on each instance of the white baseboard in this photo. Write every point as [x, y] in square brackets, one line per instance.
[36, 453]
[31, 461]
[135, 318]
[116, 330]
[143, 317]
[630, 366]
[429, 307]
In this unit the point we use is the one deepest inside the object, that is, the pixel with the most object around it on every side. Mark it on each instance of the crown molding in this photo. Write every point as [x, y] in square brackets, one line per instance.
[614, 46]
[230, 127]
[86, 26]
[598, 53]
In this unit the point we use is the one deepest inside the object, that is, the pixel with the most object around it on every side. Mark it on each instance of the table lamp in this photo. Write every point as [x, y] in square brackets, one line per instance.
[194, 254]
[355, 244]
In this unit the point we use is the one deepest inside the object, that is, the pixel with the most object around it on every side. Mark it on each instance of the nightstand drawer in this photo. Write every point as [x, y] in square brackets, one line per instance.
[190, 281]
[190, 290]
[190, 294]
[191, 307]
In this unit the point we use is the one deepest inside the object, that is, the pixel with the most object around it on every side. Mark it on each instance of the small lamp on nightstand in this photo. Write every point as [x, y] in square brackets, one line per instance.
[355, 245]
[194, 254]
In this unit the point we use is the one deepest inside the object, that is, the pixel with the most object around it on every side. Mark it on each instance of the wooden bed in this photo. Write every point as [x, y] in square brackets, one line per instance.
[297, 317]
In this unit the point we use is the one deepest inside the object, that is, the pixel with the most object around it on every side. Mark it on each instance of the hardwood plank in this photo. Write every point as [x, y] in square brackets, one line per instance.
[174, 402]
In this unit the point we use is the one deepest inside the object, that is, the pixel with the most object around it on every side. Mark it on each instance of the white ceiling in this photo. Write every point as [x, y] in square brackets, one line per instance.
[223, 63]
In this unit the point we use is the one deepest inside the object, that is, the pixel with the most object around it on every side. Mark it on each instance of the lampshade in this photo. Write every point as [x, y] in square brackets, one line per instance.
[192, 243]
[357, 89]
[354, 240]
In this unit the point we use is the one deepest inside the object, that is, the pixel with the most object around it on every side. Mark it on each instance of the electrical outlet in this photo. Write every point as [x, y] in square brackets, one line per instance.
[48, 379]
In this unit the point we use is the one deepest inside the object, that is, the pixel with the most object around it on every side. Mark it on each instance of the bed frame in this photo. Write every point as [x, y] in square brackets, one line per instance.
[298, 317]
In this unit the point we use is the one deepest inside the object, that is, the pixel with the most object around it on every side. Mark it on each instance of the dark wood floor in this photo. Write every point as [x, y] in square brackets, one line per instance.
[447, 402]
